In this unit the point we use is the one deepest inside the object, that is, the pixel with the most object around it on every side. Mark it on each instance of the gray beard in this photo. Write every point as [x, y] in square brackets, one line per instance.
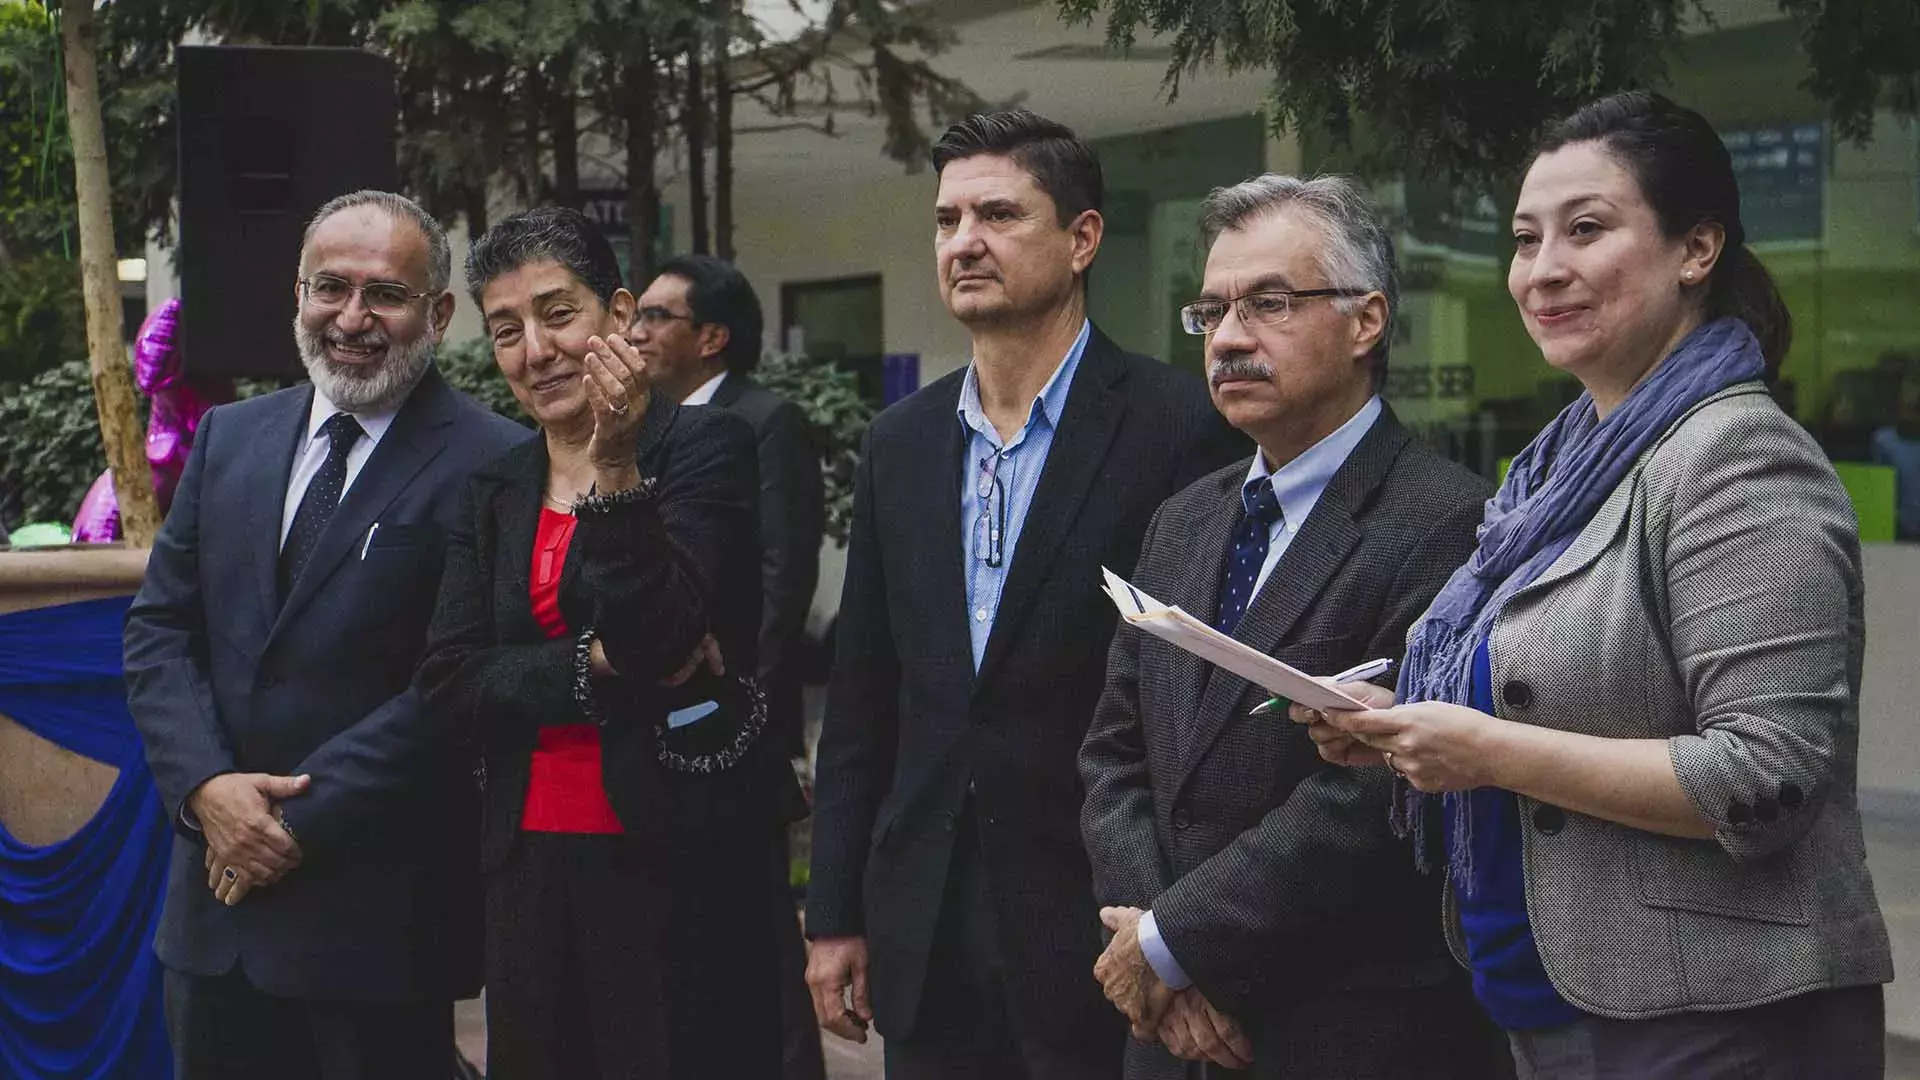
[358, 389]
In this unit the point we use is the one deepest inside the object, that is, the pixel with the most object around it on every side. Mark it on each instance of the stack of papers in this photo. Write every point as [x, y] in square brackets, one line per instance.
[1172, 625]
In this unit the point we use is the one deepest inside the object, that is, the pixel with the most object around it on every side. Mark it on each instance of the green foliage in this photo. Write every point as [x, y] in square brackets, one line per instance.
[42, 317]
[50, 441]
[838, 414]
[468, 367]
[1864, 54]
[1458, 88]
[35, 195]
[36, 155]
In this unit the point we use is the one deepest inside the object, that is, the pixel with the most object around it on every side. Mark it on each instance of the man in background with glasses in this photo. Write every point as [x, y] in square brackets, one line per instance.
[950, 901]
[1265, 916]
[698, 327]
[322, 908]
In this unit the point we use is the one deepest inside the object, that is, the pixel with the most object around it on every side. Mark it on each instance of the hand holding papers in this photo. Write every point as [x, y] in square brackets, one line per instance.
[1176, 627]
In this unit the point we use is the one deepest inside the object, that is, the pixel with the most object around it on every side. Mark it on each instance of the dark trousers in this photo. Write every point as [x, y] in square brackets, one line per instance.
[964, 1029]
[576, 959]
[222, 1028]
[1429, 1033]
[800, 1054]
[1830, 1034]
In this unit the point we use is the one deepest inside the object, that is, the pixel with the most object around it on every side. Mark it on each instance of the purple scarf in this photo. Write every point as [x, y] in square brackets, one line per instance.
[1553, 489]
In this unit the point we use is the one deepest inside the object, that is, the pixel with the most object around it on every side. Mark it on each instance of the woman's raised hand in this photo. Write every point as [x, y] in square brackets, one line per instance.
[619, 390]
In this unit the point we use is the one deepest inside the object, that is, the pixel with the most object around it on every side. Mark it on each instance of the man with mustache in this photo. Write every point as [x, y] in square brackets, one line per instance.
[320, 915]
[950, 901]
[1228, 854]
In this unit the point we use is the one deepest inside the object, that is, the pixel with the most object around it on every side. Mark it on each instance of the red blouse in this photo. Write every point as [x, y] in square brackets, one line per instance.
[564, 790]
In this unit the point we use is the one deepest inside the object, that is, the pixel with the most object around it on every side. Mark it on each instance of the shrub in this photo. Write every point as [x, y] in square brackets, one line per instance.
[42, 317]
[49, 444]
[830, 396]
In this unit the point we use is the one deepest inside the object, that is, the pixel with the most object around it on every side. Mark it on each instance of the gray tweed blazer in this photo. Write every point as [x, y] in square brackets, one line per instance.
[1714, 601]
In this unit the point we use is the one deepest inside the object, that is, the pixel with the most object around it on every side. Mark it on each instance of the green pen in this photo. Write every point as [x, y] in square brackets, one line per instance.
[1358, 673]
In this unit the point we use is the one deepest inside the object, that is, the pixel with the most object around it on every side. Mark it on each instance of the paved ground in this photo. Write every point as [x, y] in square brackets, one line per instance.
[1893, 852]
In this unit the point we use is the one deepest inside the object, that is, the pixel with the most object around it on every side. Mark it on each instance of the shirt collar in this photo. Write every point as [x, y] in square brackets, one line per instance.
[1049, 402]
[703, 394]
[375, 424]
[1299, 483]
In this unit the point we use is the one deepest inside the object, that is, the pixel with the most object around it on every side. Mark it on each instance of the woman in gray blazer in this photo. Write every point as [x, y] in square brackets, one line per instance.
[1632, 719]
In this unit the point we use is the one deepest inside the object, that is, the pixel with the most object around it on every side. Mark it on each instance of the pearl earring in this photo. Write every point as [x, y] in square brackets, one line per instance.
[1687, 275]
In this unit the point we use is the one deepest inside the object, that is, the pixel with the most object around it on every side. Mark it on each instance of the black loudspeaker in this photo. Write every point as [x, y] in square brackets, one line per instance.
[267, 135]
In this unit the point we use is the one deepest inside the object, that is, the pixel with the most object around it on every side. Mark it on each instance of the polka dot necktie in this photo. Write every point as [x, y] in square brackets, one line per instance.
[1249, 553]
[321, 500]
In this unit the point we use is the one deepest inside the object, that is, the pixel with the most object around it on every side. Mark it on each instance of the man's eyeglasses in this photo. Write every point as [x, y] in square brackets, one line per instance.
[386, 299]
[653, 318]
[993, 534]
[1255, 308]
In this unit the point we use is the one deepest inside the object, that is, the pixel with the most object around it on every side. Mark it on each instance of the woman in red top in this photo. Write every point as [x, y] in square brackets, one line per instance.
[601, 574]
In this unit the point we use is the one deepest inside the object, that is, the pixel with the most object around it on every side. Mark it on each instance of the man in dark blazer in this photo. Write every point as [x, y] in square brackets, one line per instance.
[1252, 854]
[950, 901]
[320, 915]
[698, 327]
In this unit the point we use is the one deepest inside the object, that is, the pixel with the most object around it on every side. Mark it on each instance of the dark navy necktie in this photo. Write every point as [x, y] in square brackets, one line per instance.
[1249, 553]
[321, 500]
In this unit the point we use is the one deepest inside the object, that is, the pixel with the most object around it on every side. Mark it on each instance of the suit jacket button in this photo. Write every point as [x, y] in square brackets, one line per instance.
[1517, 694]
[1766, 809]
[1549, 819]
[1739, 813]
[1791, 796]
[1182, 819]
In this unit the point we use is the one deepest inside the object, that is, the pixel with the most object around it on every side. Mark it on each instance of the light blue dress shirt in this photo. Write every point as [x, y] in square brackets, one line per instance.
[1298, 485]
[997, 482]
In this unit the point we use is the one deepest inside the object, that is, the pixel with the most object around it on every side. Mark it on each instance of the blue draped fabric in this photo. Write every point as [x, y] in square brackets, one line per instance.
[79, 983]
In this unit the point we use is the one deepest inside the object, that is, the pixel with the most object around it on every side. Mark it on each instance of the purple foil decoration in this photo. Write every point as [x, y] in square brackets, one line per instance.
[176, 406]
[98, 521]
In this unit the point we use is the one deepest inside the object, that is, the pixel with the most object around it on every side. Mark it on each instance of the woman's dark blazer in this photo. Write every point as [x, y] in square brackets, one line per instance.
[649, 574]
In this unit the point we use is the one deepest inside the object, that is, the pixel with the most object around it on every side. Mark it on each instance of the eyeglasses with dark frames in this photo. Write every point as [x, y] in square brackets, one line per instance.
[386, 299]
[1264, 308]
[653, 317]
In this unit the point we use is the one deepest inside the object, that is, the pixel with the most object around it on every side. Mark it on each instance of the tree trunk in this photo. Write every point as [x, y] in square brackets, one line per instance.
[696, 126]
[563, 122]
[106, 350]
[643, 190]
[533, 177]
[476, 211]
[722, 130]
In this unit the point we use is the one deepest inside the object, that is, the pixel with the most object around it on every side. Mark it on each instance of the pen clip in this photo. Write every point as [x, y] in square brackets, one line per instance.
[368, 543]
